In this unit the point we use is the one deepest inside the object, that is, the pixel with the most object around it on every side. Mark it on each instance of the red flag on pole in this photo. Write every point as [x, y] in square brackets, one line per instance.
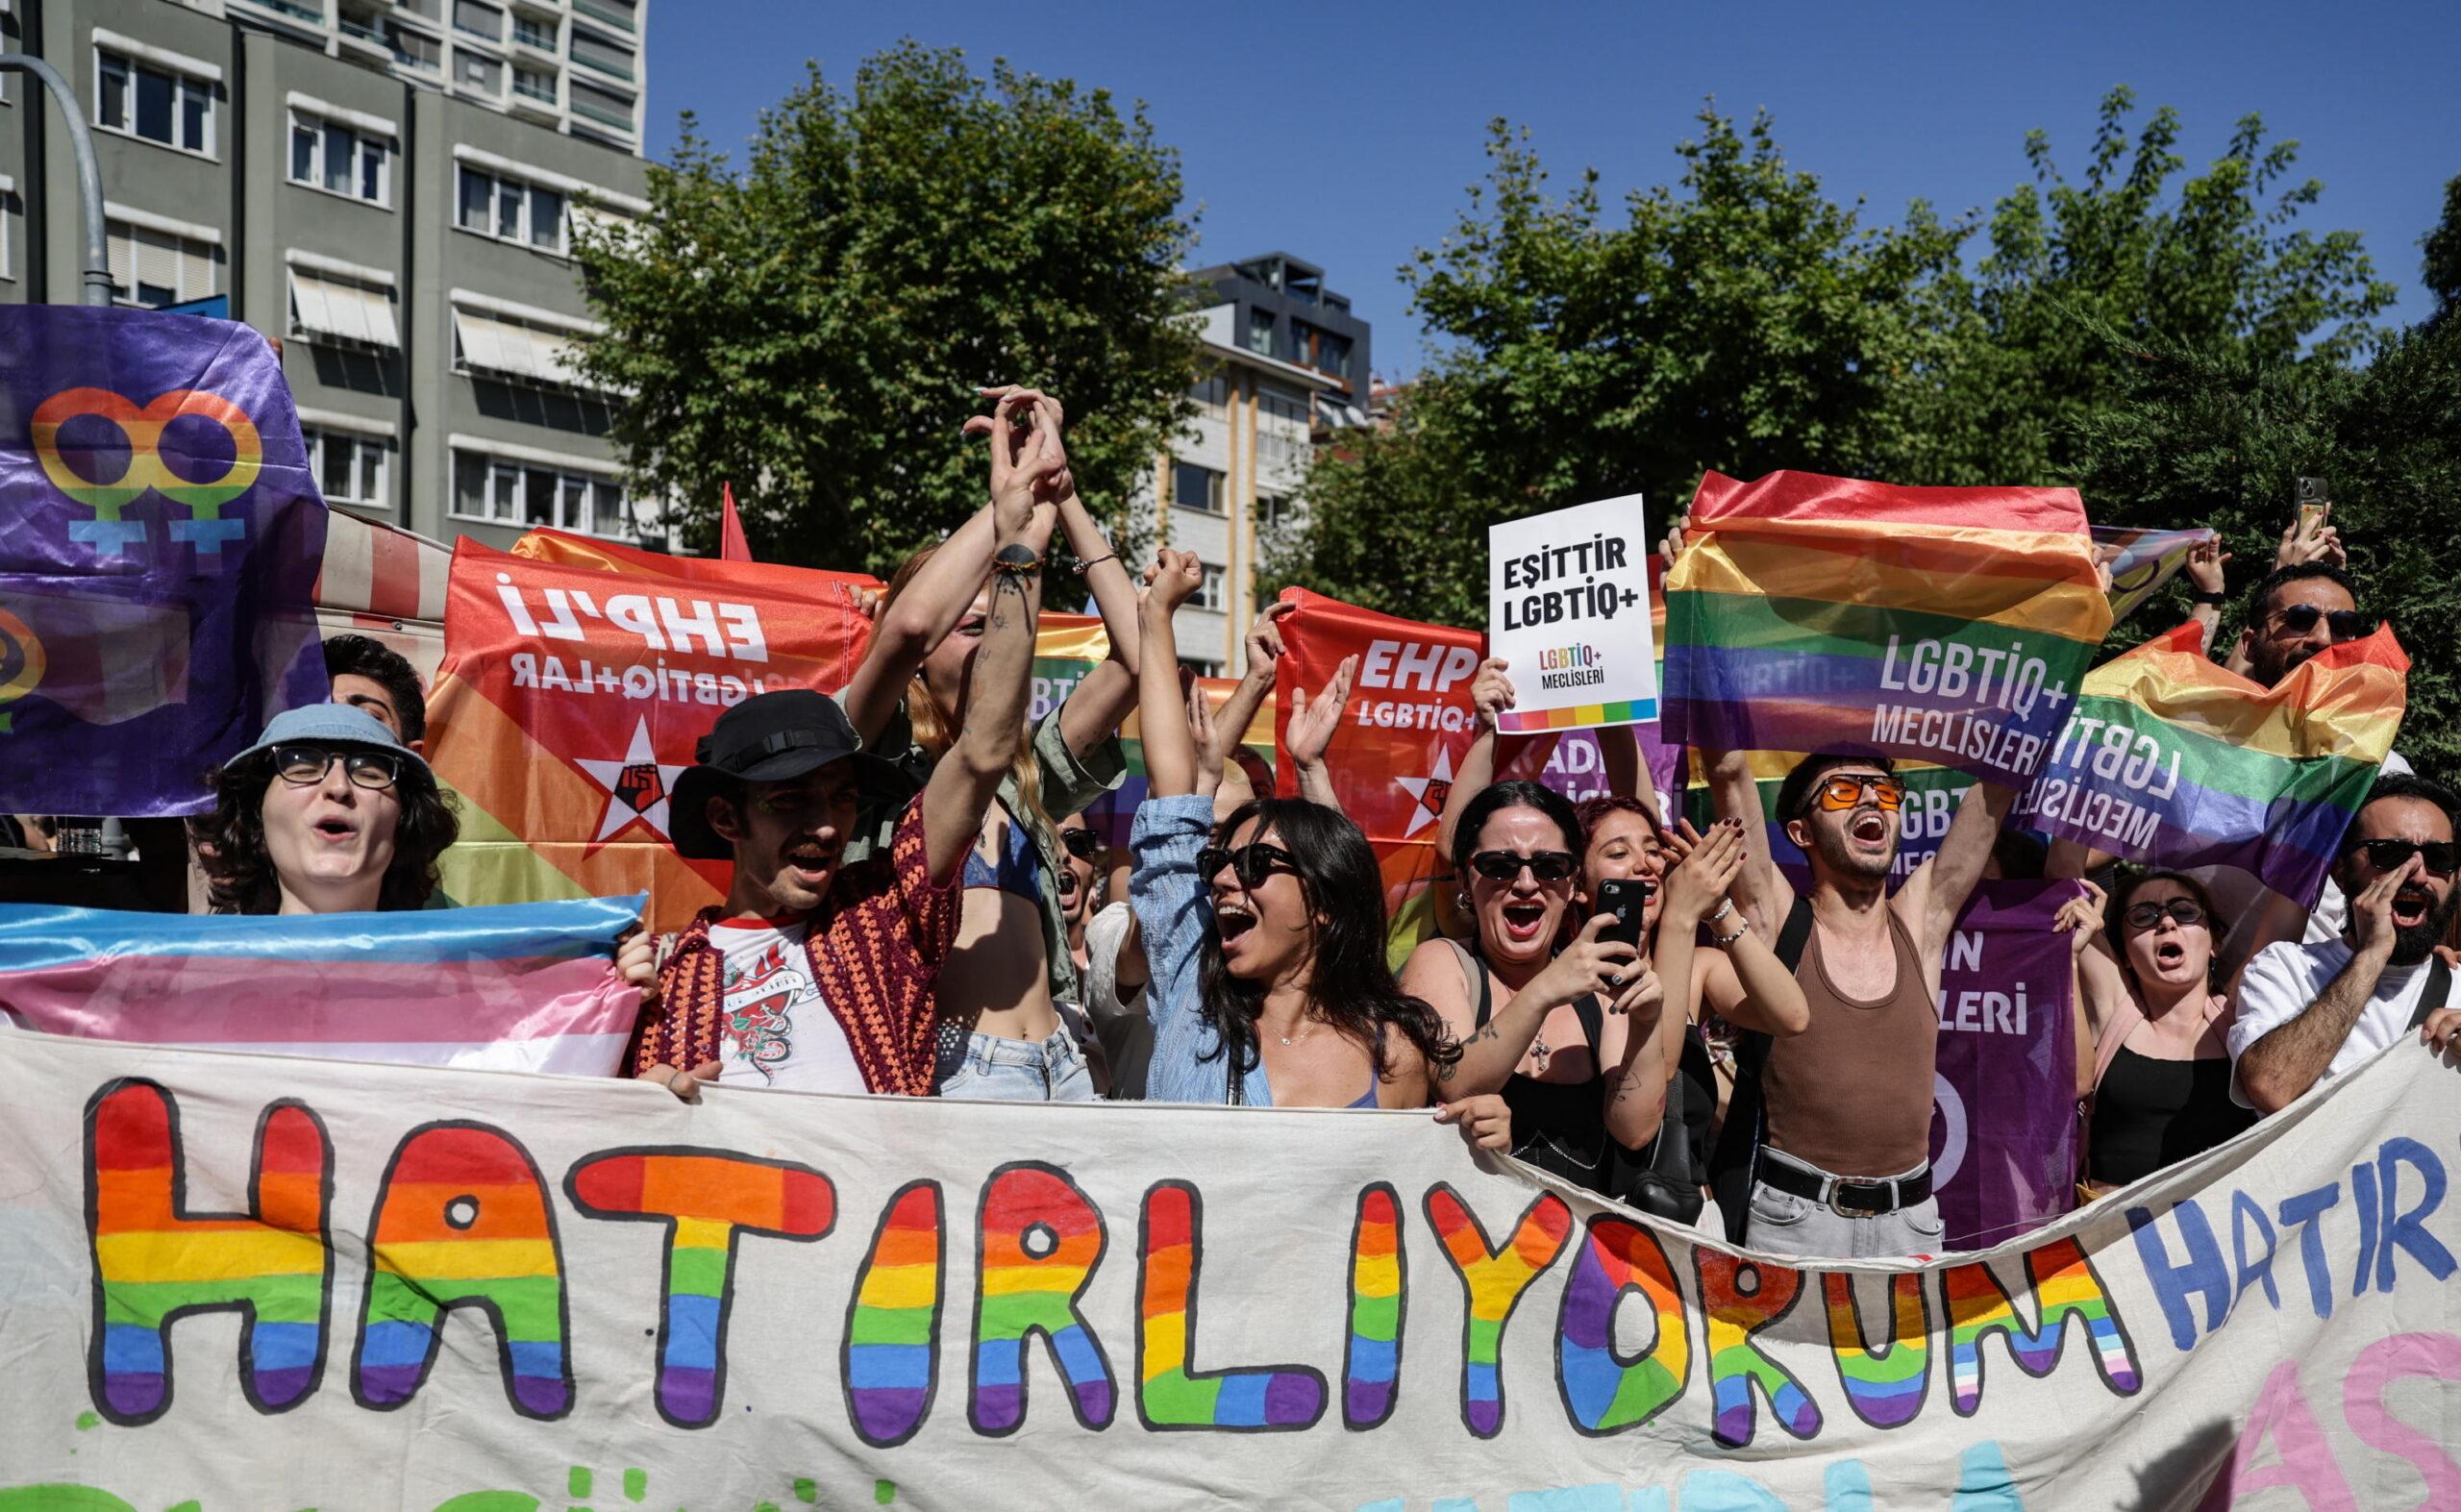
[732, 546]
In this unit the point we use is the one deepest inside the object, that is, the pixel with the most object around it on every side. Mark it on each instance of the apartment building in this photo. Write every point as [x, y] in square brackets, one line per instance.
[391, 191]
[1273, 379]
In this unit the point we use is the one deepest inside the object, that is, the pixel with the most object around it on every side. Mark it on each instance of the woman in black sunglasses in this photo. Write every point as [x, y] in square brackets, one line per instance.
[2153, 1061]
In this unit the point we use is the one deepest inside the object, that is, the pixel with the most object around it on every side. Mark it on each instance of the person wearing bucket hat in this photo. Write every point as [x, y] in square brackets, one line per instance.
[328, 813]
[818, 973]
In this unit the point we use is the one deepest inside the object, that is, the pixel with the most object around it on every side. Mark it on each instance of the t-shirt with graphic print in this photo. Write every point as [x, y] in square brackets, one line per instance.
[776, 1030]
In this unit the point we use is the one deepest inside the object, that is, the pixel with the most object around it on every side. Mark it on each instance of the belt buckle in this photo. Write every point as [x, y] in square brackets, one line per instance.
[1881, 1195]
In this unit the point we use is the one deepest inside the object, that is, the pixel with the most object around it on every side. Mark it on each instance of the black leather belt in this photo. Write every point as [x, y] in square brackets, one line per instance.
[1857, 1199]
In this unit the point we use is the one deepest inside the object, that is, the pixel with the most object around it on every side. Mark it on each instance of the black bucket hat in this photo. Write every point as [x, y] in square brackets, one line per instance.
[770, 737]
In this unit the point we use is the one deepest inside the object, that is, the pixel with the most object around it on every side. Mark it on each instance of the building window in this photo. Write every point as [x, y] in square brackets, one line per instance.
[413, 49]
[472, 71]
[1194, 486]
[512, 210]
[595, 52]
[531, 31]
[340, 161]
[13, 213]
[478, 18]
[534, 83]
[1212, 394]
[1271, 510]
[350, 469]
[1322, 350]
[1261, 332]
[603, 106]
[1209, 591]
[154, 102]
[155, 268]
[529, 494]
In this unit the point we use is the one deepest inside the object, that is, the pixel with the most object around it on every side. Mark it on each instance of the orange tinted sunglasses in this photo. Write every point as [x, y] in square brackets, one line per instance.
[1840, 793]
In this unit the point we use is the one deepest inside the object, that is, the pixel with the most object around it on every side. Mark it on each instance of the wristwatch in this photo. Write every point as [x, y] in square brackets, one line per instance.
[2199, 596]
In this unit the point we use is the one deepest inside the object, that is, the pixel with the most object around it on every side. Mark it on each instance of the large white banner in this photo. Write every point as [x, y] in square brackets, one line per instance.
[238, 1283]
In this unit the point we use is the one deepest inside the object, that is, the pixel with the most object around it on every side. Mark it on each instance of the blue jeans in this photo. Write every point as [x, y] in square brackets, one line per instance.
[989, 1069]
[1784, 1224]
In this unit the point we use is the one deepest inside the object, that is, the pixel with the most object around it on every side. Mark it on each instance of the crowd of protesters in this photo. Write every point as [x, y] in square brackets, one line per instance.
[1655, 1011]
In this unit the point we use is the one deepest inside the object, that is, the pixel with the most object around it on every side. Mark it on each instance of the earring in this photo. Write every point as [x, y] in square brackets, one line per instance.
[1462, 900]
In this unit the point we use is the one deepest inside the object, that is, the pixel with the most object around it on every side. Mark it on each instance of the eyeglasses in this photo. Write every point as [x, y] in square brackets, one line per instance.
[2387, 854]
[1840, 793]
[1082, 844]
[2183, 912]
[304, 766]
[1505, 866]
[2342, 624]
[1251, 863]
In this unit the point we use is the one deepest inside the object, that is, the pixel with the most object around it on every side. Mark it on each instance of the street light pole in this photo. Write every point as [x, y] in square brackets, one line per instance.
[90, 174]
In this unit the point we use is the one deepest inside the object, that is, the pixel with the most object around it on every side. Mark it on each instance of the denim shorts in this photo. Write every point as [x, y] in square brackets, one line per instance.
[988, 1068]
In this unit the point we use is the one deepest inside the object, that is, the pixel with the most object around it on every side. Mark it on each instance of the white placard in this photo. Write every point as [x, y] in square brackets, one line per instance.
[1568, 609]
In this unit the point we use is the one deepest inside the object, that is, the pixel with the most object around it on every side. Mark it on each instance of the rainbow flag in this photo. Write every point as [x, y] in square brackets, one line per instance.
[2172, 760]
[1940, 624]
[522, 988]
[571, 699]
[2147, 560]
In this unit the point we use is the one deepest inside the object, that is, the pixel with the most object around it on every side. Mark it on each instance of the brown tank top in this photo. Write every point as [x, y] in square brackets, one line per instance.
[1851, 1094]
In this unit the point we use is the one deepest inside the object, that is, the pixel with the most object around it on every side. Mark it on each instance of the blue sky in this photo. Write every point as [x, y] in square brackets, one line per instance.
[1347, 134]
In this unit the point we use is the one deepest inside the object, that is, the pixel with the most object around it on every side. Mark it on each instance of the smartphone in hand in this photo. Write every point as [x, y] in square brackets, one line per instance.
[2315, 508]
[1624, 897]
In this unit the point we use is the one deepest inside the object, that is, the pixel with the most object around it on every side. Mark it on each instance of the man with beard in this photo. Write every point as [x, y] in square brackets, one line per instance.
[1842, 1165]
[2310, 1010]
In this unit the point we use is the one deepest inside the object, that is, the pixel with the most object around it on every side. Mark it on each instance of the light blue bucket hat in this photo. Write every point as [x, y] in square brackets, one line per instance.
[331, 724]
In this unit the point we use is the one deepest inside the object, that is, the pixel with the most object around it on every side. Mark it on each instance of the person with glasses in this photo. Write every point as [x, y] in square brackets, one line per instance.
[328, 813]
[2153, 1030]
[1841, 1164]
[2309, 1010]
[1264, 932]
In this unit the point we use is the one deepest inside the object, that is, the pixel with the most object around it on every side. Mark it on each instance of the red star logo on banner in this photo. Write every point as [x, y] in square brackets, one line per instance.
[636, 788]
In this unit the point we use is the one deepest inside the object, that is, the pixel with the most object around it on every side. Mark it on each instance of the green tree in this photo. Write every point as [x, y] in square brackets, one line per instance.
[2443, 246]
[814, 328]
[1742, 321]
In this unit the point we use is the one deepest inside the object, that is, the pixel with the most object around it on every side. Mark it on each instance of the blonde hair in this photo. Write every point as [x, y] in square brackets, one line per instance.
[936, 727]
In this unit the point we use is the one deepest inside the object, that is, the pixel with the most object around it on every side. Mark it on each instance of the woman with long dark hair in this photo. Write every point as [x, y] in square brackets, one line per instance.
[1265, 932]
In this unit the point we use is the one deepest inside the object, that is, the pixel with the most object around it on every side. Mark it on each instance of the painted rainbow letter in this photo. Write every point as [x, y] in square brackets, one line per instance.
[1604, 1392]
[706, 1200]
[2068, 1297]
[891, 1357]
[1492, 1280]
[1885, 1386]
[1038, 1240]
[462, 1221]
[1738, 1299]
[1378, 1279]
[155, 1262]
[1170, 1393]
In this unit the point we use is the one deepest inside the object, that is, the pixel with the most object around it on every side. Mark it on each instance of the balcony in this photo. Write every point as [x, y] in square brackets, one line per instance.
[295, 9]
[538, 36]
[620, 120]
[617, 16]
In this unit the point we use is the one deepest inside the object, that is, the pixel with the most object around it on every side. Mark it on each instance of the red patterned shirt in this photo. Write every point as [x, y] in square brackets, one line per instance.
[876, 948]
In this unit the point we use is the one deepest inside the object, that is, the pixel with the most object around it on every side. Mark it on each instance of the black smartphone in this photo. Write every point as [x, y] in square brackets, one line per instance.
[1624, 897]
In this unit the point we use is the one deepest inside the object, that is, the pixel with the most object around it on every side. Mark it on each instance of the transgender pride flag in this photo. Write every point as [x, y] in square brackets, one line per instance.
[525, 988]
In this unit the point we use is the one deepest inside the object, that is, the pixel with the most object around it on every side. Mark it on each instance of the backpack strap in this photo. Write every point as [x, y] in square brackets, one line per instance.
[1473, 979]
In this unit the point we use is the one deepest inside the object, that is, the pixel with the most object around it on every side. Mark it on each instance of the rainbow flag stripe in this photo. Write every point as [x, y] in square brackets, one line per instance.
[2172, 760]
[1811, 613]
[463, 1221]
[890, 1360]
[1170, 1393]
[1603, 1394]
[1884, 1387]
[1584, 716]
[2068, 1297]
[1492, 1280]
[1732, 1312]
[706, 1201]
[155, 1262]
[1039, 1240]
[1378, 1276]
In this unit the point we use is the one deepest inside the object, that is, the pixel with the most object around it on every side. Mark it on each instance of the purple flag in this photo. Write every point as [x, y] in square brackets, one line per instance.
[2003, 1124]
[159, 551]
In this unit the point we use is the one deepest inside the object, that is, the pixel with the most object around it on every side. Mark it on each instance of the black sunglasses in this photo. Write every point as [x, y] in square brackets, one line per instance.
[2343, 624]
[1503, 866]
[1082, 844]
[2389, 854]
[2149, 915]
[1252, 863]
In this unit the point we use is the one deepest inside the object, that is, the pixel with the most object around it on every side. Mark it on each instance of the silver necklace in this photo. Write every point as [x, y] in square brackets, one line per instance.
[1303, 1035]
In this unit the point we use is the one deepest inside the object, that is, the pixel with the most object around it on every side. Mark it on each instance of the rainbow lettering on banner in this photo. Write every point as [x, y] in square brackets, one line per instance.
[706, 1201]
[1738, 1299]
[155, 1262]
[890, 1359]
[2068, 1297]
[1038, 1239]
[1884, 1387]
[1492, 1280]
[1170, 1393]
[1602, 1392]
[1378, 1276]
[462, 1221]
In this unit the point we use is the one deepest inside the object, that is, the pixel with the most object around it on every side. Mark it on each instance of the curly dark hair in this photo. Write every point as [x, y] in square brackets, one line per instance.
[230, 839]
[1351, 984]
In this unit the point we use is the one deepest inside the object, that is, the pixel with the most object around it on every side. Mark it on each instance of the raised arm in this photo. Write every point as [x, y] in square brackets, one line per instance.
[1937, 891]
[966, 779]
[1255, 681]
[1490, 695]
[2277, 1070]
[1311, 732]
[1628, 771]
[1104, 696]
[1739, 975]
[1760, 889]
[1170, 750]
